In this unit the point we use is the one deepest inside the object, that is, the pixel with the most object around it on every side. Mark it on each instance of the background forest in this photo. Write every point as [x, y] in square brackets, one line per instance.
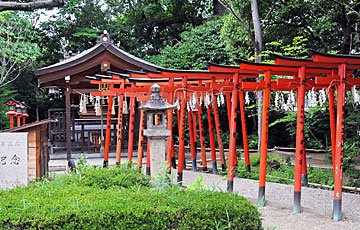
[182, 35]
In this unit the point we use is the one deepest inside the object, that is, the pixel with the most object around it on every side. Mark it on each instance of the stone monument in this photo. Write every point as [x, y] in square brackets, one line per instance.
[156, 129]
[13, 160]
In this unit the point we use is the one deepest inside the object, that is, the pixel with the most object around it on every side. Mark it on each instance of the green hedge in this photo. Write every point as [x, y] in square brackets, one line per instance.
[83, 201]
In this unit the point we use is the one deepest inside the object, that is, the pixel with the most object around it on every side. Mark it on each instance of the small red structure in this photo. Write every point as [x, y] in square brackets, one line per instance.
[18, 110]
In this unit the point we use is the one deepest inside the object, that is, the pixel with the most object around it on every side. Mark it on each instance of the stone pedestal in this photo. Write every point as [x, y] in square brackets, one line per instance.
[157, 148]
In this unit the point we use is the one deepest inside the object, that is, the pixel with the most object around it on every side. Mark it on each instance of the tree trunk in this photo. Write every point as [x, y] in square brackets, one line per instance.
[258, 49]
[31, 6]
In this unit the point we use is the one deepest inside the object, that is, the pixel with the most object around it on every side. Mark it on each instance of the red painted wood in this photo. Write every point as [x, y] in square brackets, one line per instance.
[141, 138]
[119, 129]
[264, 133]
[108, 130]
[232, 145]
[131, 129]
[300, 142]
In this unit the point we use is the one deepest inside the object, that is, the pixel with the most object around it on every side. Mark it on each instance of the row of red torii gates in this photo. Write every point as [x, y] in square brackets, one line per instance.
[322, 71]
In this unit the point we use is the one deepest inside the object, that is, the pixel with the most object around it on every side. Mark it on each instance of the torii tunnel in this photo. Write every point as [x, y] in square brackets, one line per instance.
[189, 87]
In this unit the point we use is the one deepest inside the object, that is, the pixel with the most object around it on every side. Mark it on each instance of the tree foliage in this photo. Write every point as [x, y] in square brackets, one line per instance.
[18, 46]
[195, 47]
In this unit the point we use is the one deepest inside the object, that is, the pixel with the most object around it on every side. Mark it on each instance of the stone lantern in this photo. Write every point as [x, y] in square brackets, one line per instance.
[156, 129]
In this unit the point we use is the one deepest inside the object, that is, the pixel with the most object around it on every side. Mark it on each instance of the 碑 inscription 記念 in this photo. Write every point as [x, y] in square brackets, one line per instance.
[13, 160]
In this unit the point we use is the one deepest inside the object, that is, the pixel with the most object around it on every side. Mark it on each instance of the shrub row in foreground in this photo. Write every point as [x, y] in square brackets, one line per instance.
[67, 203]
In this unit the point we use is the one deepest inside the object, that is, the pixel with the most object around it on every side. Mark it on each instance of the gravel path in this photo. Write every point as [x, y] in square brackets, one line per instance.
[316, 203]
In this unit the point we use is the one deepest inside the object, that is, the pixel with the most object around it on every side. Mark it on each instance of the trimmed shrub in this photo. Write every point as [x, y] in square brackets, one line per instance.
[66, 203]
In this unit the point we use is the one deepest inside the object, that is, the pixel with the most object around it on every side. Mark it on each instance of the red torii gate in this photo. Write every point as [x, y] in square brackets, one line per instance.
[344, 64]
[336, 67]
[200, 76]
[333, 66]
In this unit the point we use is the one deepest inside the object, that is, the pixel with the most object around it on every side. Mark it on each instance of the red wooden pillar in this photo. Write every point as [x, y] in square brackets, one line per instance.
[192, 142]
[131, 129]
[339, 144]
[300, 142]
[194, 127]
[218, 134]
[119, 129]
[244, 132]
[141, 138]
[212, 140]
[304, 175]
[181, 155]
[18, 120]
[170, 141]
[232, 144]
[173, 157]
[264, 139]
[108, 132]
[11, 121]
[332, 125]
[170, 154]
[148, 156]
[228, 106]
[202, 139]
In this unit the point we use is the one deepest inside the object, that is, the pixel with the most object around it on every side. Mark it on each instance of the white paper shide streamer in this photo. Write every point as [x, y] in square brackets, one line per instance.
[97, 106]
[277, 98]
[322, 97]
[356, 96]
[247, 98]
[207, 100]
[113, 107]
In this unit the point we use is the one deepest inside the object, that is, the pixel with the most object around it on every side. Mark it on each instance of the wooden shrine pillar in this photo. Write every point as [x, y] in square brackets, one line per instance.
[300, 140]
[119, 129]
[332, 124]
[243, 128]
[181, 154]
[218, 134]
[232, 144]
[131, 129]
[264, 139]
[202, 138]
[68, 120]
[212, 140]
[148, 156]
[228, 106]
[108, 132]
[141, 138]
[192, 141]
[339, 144]
[170, 153]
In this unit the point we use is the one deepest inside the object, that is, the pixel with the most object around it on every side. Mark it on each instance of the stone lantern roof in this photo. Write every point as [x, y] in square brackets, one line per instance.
[156, 103]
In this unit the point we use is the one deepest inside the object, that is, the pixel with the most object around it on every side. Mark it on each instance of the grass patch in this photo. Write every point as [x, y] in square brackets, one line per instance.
[285, 172]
